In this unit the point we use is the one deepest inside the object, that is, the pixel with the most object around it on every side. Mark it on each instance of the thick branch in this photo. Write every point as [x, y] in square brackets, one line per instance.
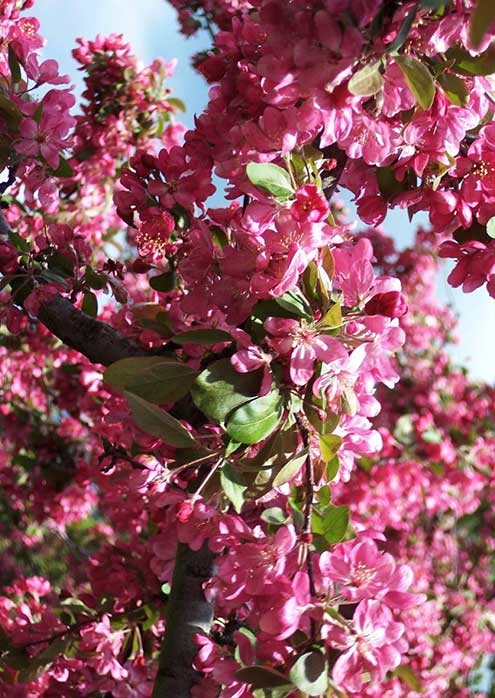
[99, 342]
[188, 613]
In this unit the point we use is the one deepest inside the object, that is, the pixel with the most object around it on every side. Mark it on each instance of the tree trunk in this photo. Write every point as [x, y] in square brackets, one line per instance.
[188, 613]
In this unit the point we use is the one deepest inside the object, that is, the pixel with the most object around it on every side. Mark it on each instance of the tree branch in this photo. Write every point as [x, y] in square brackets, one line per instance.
[99, 342]
[188, 613]
[188, 610]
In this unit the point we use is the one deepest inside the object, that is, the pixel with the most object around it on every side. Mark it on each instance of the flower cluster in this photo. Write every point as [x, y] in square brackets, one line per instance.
[250, 416]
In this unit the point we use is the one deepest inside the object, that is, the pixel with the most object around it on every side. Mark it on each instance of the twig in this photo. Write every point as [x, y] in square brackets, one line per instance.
[336, 174]
[308, 506]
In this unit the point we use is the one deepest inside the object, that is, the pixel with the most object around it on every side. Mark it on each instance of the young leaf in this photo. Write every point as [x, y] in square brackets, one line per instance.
[233, 486]
[403, 32]
[159, 423]
[15, 68]
[90, 304]
[202, 336]
[295, 303]
[219, 389]
[310, 673]
[154, 378]
[466, 64]
[176, 102]
[410, 678]
[367, 81]
[419, 80]
[335, 523]
[63, 169]
[255, 420]
[290, 469]
[455, 88]
[332, 468]
[272, 178]
[329, 445]
[274, 515]
[481, 21]
[164, 282]
[333, 317]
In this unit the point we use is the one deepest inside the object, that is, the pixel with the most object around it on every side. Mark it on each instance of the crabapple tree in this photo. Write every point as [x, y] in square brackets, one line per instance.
[236, 460]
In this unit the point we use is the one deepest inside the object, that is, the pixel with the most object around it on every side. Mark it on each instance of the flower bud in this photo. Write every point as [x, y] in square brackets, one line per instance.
[390, 304]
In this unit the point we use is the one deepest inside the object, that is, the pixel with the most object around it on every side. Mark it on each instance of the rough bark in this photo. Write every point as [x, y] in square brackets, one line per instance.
[99, 342]
[188, 613]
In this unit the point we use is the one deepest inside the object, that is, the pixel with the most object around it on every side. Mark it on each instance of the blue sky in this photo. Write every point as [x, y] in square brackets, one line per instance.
[151, 28]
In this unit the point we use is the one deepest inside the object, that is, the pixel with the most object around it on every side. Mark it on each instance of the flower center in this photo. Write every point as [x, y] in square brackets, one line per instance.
[361, 574]
[482, 169]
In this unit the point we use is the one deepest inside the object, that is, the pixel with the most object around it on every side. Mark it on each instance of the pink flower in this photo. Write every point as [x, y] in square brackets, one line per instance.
[304, 344]
[310, 205]
[45, 138]
[374, 646]
[153, 236]
[363, 572]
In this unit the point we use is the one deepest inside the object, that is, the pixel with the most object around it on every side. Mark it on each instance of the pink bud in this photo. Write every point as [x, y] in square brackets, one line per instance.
[390, 304]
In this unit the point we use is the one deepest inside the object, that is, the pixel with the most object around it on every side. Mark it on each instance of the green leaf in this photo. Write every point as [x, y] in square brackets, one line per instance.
[202, 336]
[154, 378]
[255, 420]
[403, 31]
[335, 521]
[310, 673]
[219, 389]
[55, 649]
[9, 111]
[490, 227]
[90, 304]
[419, 80]
[262, 677]
[388, 183]
[159, 423]
[329, 445]
[290, 469]
[333, 317]
[77, 607]
[63, 169]
[14, 65]
[433, 4]
[274, 515]
[295, 303]
[455, 88]
[164, 282]
[432, 436]
[466, 64]
[332, 468]
[19, 242]
[176, 102]
[233, 486]
[409, 677]
[481, 21]
[94, 280]
[272, 178]
[367, 81]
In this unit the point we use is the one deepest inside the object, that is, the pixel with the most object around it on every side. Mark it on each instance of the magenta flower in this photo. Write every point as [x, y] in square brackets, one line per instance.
[40, 139]
[374, 647]
[304, 344]
[310, 205]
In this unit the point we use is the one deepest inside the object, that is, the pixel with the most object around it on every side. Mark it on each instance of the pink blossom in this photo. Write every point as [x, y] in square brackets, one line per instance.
[305, 344]
[374, 645]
